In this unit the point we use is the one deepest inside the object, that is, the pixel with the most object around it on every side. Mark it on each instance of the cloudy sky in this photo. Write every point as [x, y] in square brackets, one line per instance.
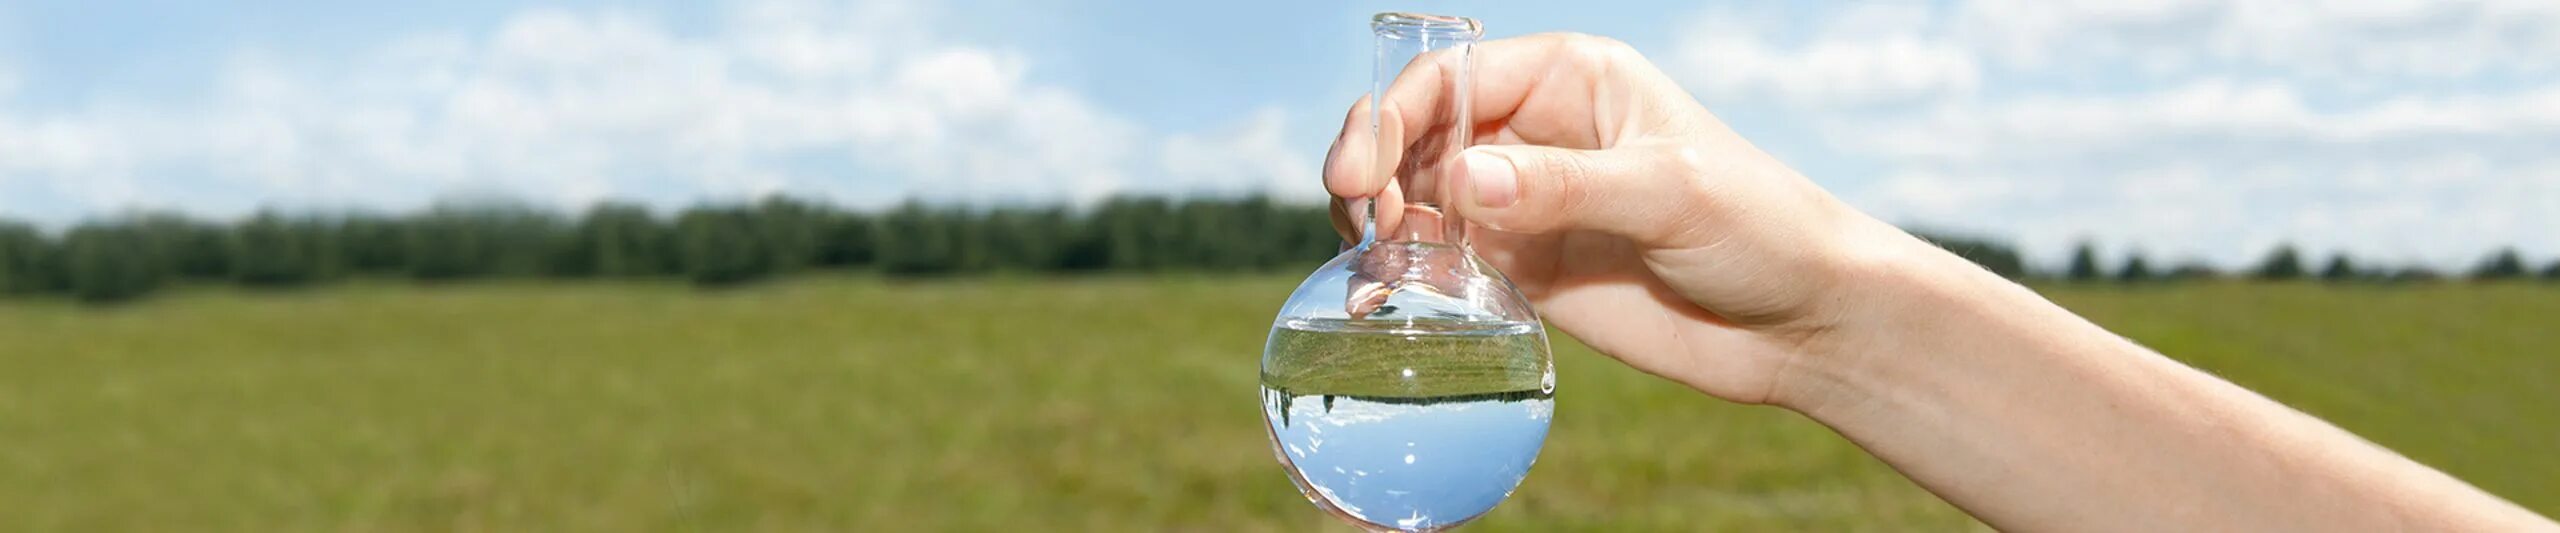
[2421, 131]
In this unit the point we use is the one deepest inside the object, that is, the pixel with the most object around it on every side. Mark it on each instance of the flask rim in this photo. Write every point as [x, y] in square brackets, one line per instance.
[1400, 24]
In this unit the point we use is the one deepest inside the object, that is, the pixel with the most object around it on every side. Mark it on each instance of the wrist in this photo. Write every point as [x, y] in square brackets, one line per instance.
[1896, 301]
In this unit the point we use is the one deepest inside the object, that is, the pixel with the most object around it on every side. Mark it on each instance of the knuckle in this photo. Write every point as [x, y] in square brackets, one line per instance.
[1688, 160]
[1598, 48]
[1597, 57]
[1553, 39]
[1687, 172]
[1690, 196]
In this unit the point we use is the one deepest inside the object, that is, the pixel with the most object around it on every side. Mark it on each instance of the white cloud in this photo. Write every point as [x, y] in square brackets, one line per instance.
[1255, 155]
[858, 101]
[2224, 170]
[1870, 53]
[2334, 39]
[2188, 128]
[2217, 110]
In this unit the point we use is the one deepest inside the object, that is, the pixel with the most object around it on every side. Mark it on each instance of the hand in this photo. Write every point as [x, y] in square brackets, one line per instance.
[1632, 218]
[1639, 224]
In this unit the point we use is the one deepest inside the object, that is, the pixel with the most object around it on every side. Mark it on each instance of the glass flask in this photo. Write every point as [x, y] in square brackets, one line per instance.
[1407, 385]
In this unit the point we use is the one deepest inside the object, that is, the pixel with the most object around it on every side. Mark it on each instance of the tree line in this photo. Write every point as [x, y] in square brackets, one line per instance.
[2287, 263]
[130, 256]
[2284, 263]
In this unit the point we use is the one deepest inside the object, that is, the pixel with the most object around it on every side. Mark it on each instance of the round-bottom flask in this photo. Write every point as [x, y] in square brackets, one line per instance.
[1408, 385]
[1421, 414]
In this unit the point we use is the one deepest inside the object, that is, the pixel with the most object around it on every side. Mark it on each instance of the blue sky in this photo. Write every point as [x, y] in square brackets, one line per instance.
[2188, 129]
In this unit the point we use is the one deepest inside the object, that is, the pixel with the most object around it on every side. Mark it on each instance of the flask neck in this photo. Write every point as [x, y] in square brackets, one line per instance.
[1432, 52]
[1414, 250]
[1415, 223]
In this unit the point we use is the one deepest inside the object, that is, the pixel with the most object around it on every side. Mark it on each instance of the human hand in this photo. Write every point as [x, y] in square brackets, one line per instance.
[1632, 218]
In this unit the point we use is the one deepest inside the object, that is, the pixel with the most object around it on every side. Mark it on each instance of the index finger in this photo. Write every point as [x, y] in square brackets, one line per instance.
[1510, 75]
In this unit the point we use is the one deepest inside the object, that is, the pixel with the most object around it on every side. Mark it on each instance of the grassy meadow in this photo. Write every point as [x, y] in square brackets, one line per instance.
[1123, 403]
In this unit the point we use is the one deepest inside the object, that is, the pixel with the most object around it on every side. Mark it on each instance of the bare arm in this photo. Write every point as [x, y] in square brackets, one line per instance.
[1639, 224]
[2031, 418]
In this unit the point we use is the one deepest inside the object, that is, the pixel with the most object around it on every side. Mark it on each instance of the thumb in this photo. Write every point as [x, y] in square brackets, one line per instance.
[1642, 195]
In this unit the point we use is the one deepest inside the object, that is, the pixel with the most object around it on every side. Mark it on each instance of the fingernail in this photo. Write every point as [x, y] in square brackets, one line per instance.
[1497, 184]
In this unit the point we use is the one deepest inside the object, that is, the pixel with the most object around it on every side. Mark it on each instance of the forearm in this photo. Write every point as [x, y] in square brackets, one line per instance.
[2034, 419]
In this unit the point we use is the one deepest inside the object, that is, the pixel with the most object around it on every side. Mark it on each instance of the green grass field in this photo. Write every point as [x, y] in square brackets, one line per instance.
[1117, 403]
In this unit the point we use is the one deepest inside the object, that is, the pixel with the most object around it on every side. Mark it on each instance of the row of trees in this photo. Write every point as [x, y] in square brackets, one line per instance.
[130, 256]
[2287, 263]
[724, 244]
